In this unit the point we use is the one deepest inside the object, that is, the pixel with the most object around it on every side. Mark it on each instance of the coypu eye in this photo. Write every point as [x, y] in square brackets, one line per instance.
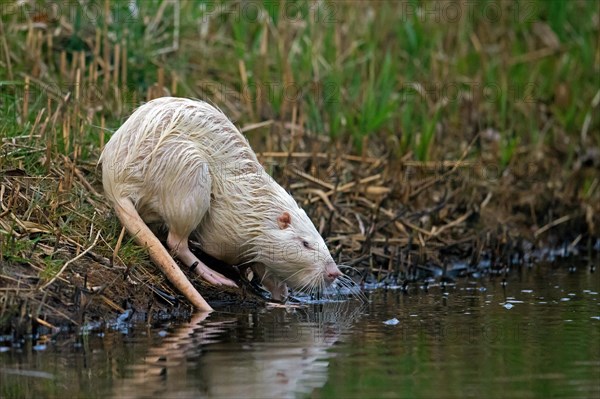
[306, 244]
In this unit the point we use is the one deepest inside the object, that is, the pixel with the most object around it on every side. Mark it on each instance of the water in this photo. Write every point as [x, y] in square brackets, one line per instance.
[536, 337]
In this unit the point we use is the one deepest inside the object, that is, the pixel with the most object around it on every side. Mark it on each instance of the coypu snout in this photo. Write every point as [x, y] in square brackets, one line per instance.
[332, 272]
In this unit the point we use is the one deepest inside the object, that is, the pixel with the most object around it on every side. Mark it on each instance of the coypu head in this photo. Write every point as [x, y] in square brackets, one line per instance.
[293, 251]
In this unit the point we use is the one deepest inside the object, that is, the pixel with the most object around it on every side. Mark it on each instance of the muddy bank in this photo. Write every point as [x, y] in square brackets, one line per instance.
[405, 179]
[396, 221]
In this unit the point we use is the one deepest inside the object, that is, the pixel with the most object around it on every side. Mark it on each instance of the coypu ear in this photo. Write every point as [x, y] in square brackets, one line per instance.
[284, 220]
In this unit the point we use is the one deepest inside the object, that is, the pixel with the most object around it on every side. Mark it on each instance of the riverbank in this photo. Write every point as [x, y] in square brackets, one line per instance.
[433, 150]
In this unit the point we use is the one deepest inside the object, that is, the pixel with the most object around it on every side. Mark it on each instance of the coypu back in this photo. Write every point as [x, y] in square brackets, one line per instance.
[172, 137]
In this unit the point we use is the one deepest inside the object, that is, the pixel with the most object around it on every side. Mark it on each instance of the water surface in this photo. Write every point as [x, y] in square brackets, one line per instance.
[538, 336]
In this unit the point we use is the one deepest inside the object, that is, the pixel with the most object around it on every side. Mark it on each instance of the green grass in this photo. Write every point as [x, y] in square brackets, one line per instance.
[343, 64]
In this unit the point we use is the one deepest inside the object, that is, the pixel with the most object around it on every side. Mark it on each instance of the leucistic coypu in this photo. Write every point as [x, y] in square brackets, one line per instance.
[183, 163]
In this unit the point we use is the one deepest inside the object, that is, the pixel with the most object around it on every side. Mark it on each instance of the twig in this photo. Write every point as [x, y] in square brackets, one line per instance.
[552, 224]
[6, 51]
[81, 177]
[67, 263]
[118, 246]
[460, 162]
[435, 231]
[254, 126]
[112, 304]
[533, 56]
[176, 24]
[322, 195]
[344, 188]
[438, 164]
[315, 180]
[58, 312]
[364, 180]
[415, 227]
[320, 155]
[44, 322]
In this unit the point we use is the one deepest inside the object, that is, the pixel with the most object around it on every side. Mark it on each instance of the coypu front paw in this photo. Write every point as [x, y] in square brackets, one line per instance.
[210, 275]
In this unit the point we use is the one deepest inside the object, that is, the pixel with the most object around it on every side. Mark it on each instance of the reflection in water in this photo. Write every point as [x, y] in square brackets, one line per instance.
[457, 341]
[276, 353]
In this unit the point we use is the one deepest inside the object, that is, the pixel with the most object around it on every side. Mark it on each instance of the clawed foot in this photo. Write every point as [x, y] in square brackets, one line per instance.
[211, 276]
[179, 245]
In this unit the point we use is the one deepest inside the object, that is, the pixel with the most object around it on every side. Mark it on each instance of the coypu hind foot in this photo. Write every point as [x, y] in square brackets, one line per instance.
[179, 246]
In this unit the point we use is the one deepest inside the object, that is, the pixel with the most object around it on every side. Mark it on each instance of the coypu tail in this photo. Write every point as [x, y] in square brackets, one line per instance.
[134, 224]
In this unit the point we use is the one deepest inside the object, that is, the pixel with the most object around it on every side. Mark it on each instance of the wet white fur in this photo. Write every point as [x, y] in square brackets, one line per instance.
[183, 163]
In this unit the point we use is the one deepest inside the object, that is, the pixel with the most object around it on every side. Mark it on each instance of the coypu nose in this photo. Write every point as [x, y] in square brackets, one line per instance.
[332, 273]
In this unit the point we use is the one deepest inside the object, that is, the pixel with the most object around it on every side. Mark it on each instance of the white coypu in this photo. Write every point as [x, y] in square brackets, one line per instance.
[184, 164]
